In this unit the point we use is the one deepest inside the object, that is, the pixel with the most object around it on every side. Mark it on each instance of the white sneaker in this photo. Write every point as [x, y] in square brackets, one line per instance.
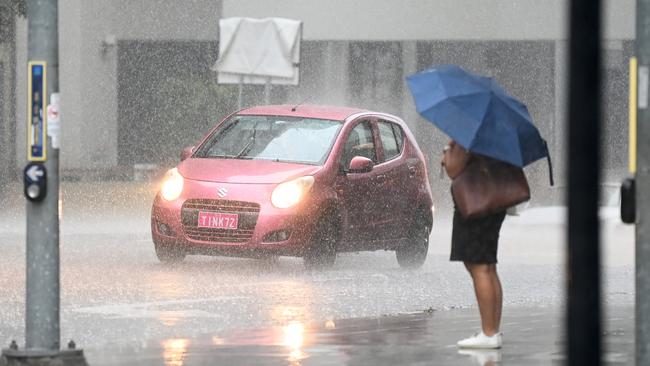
[480, 340]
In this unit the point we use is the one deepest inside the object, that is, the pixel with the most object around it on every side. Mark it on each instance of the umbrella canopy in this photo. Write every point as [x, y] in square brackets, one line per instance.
[478, 114]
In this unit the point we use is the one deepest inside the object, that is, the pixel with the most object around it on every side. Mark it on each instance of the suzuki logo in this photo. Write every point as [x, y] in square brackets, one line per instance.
[222, 192]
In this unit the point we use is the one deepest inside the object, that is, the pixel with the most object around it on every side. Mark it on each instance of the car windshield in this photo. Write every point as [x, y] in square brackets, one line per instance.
[278, 138]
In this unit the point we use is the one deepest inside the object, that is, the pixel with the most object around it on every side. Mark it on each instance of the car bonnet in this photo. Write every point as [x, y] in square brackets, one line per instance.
[243, 171]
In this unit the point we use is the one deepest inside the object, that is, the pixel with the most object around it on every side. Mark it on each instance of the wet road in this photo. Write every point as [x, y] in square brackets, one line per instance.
[116, 294]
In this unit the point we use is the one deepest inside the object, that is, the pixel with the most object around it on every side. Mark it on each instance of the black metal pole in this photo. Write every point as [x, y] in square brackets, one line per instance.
[642, 249]
[584, 308]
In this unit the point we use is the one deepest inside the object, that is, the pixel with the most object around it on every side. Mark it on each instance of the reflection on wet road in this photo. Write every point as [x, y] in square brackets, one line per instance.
[174, 351]
[425, 338]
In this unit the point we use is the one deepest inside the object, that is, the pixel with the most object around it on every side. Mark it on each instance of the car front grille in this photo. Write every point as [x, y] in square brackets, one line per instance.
[247, 216]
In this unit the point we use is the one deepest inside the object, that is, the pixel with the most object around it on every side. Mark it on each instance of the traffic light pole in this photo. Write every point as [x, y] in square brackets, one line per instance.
[42, 329]
[42, 299]
[642, 182]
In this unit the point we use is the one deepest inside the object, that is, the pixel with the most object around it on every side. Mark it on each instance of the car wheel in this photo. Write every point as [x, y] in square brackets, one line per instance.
[169, 253]
[413, 252]
[321, 251]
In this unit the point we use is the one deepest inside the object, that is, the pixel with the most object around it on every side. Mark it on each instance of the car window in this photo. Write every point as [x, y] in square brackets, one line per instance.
[399, 136]
[288, 139]
[388, 140]
[359, 143]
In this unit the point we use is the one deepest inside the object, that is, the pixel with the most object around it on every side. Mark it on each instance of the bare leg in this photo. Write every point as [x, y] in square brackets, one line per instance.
[488, 295]
[499, 292]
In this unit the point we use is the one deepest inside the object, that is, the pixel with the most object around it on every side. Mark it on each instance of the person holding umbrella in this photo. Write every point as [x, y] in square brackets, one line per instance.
[492, 138]
[474, 242]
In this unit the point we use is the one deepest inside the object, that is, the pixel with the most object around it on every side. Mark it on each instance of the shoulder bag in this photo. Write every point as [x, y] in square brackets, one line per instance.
[487, 185]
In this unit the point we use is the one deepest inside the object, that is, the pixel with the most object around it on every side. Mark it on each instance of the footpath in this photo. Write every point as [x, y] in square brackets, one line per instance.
[532, 336]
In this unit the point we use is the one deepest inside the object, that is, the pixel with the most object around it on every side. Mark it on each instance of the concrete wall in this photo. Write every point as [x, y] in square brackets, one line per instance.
[432, 20]
[88, 34]
[21, 92]
[7, 110]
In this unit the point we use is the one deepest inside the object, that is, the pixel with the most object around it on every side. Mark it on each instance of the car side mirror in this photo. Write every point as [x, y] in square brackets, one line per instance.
[187, 152]
[359, 164]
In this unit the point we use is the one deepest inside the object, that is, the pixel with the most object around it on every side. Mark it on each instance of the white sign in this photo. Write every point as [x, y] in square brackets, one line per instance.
[643, 87]
[54, 120]
[259, 51]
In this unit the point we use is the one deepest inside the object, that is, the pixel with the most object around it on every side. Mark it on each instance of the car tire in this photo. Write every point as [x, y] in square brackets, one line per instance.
[169, 254]
[321, 250]
[413, 253]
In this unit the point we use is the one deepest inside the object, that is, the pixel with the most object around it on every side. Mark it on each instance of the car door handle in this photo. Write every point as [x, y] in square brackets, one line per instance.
[381, 178]
[412, 171]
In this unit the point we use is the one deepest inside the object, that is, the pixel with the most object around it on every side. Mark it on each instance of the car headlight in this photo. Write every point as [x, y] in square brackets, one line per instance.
[289, 193]
[172, 185]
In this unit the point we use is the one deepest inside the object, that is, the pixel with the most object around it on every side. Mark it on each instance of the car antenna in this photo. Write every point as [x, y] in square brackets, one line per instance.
[293, 109]
[327, 93]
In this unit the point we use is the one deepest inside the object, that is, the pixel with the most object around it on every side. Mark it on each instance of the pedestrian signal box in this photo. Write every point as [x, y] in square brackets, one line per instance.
[35, 180]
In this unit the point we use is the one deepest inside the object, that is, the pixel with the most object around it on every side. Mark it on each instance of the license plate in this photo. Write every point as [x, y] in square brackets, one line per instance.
[218, 220]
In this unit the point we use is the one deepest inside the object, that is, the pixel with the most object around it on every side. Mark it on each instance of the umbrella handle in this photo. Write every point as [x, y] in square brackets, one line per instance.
[550, 164]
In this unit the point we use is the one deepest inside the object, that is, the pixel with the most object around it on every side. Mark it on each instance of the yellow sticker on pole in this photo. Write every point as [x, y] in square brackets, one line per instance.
[36, 116]
[633, 106]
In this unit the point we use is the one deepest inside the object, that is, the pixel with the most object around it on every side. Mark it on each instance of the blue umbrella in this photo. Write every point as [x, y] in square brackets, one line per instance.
[478, 114]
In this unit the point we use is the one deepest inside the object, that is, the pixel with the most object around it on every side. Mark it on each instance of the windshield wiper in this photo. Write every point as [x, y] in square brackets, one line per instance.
[222, 156]
[248, 146]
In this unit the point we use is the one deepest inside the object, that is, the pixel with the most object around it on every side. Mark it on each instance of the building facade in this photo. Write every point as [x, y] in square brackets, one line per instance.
[136, 83]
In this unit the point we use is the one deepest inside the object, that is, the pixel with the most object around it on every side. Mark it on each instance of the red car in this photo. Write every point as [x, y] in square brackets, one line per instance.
[305, 181]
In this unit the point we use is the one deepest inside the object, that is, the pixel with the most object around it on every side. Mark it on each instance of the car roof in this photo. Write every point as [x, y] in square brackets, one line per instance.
[308, 111]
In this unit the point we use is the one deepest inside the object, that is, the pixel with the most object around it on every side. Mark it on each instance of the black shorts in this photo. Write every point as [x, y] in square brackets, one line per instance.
[476, 240]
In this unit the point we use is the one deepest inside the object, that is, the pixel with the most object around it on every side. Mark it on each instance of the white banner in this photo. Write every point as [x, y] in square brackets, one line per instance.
[254, 51]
